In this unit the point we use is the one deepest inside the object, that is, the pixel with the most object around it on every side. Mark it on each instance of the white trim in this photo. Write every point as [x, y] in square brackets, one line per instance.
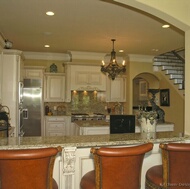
[79, 55]
[13, 52]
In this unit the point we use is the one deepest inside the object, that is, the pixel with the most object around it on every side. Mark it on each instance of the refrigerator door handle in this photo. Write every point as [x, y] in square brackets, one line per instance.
[25, 113]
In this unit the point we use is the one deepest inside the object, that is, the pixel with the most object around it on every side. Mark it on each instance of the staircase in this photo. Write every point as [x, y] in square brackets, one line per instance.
[173, 64]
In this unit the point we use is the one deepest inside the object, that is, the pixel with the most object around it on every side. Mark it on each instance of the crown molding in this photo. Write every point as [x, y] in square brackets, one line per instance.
[13, 52]
[71, 56]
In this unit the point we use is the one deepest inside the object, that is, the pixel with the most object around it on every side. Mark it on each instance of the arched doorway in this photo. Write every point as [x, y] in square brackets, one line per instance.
[141, 83]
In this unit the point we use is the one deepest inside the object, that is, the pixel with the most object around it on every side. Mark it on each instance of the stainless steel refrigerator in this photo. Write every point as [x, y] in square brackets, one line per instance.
[32, 107]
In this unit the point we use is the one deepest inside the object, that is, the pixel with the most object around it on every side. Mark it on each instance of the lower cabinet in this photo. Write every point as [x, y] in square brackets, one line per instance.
[94, 130]
[56, 125]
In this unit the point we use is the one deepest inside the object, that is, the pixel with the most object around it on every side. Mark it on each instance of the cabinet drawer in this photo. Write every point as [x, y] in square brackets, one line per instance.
[54, 118]
[53, 126]
[55, 133]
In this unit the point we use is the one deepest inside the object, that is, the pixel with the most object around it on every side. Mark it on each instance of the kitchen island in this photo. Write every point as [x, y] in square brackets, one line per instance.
[75, 159]
[102, 127]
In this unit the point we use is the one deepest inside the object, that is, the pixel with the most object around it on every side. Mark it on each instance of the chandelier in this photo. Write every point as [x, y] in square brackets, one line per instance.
[113, 68]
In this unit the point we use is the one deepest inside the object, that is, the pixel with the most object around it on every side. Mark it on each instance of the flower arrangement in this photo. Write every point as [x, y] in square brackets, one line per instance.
[151, 116]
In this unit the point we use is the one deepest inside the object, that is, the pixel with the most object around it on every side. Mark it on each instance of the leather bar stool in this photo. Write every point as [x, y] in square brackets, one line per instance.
[116, 168]
[28, 168]
[175, 168]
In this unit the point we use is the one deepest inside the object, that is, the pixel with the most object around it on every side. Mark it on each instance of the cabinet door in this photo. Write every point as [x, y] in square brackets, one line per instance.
[87, 78]
[94, 130]
[116, 91]
[95, 78]
[55, 88]
[81, 78]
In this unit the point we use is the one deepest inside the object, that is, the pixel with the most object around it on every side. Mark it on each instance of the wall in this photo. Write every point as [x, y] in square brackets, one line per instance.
[45, 63]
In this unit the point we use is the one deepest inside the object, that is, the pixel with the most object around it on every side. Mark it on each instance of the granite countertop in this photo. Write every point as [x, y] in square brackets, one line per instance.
[87, 140]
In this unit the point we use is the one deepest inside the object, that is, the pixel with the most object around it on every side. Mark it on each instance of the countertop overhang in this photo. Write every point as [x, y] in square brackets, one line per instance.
[88, 140]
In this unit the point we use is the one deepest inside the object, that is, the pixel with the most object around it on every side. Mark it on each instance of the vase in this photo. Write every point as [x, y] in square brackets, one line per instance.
[148, 128]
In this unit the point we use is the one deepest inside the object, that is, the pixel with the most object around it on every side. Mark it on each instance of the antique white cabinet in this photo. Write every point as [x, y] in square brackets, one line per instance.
[94, 130]
[2, 44]
[56, 125]
[33, 72]
[116, 89]
[54, 87]
[12, 77]
[85, 77]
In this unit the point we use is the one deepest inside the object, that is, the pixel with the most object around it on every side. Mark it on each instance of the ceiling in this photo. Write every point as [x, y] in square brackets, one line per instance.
[84, 25]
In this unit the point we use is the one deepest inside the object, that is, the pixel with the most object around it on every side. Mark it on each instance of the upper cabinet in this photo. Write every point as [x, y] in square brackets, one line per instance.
[32, 72]
[12, 75]
[54, 87]
[116, 89]
[87, 78]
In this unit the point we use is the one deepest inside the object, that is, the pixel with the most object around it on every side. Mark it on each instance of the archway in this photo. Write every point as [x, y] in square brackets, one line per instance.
[141, 83]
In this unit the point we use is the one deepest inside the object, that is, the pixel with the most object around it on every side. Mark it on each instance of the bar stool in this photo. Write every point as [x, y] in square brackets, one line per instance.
[116, 168]
[175, 168]
[28, 168]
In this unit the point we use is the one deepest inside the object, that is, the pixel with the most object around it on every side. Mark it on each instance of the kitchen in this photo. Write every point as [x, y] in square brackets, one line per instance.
[127, 108]
[64, 95]
[134, 68]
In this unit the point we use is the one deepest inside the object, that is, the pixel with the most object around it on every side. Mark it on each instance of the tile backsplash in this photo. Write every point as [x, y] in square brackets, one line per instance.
[82, 102]
[88, 102]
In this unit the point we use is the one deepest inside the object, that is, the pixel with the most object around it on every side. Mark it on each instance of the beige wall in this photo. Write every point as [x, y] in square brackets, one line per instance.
[45, 63]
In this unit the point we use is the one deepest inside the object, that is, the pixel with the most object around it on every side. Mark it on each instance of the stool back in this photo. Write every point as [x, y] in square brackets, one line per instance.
[27, 168]
[119, 167]
[176, 165]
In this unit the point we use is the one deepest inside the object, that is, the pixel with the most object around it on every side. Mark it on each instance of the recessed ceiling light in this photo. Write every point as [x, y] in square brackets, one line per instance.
[166, 26]
[50, 13]
[155, 50]
[121, 50]
[47, 46]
